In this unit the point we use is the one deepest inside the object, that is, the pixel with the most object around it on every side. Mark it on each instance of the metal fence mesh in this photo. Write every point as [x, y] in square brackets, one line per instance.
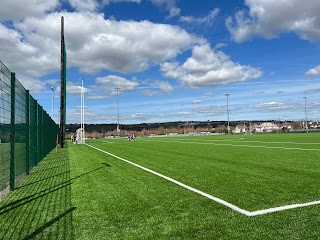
[5, 118]
[27, 133]
[20, 142]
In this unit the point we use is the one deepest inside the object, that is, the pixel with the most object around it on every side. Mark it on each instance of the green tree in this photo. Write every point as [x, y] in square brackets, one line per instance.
[161, 131]
[296, 125]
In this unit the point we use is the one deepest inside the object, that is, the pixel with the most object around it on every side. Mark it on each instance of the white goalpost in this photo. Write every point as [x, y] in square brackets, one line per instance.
[81, 131]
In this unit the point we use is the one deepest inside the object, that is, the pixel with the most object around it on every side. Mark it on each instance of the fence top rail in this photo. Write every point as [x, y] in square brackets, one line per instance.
[5, 70]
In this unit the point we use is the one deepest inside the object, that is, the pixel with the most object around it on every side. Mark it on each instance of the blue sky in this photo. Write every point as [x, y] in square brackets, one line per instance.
[172, 59]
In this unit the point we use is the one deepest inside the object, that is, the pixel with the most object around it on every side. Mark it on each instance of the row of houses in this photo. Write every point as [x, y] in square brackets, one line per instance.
[259, 128]
[267, 127]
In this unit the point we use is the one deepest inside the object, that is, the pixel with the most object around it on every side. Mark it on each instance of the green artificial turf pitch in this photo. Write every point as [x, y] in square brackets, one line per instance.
[81, 193]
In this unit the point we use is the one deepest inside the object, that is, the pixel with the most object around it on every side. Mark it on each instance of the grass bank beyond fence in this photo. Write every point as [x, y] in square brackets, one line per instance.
[27, 133]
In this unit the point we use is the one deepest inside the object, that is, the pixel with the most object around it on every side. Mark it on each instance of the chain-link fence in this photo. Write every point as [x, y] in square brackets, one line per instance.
[27, 133]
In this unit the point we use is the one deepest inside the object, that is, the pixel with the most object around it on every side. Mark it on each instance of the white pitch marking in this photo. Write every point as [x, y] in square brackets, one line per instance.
[229, 205]
[241, 145]
[248, 141]
[282, 208]
[218, 200]
[297, 143]
[107, 142]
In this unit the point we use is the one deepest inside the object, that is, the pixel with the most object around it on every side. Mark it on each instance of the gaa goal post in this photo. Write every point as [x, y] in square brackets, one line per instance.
[80, 136]
[81, 131]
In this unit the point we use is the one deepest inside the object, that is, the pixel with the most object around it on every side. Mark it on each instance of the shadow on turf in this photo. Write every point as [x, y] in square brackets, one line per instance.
[106, 164]
[86, 173]
[32, 197]
[48, 224]
[54, 176]
[42, 193]
[41, 207]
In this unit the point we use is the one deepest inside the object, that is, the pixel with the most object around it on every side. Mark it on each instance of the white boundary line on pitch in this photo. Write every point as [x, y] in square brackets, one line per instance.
[243, 140]
[240, 145]
[218, 200]
[297, 143]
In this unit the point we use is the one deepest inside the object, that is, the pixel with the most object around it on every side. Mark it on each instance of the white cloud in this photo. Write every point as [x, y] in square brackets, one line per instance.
[108, 83]
[169, 5]
[73, 88]
[116, 81]
[275, 106]
[156, 88]
[75, 116]
[210, 94]
[213, 110]
[115, 1]
[35, 85]
[23, 57]
[32, 84]
[177, 115]
[96, 96]
[165, 86]
[313, 91]
[207, 67]
[209, 19]
[149, 92]
[313, 72]
[220, 45]
[269, 18]
[140, 116]
[94, 5]
[14, 10]
[84, 5]
[32, 47]
[196, 102]
[94, 43]
[104, 87]
[125, 118]
[315, 104]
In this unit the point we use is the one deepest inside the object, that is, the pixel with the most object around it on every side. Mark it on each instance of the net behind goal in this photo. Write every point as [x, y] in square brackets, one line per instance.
[80, 136]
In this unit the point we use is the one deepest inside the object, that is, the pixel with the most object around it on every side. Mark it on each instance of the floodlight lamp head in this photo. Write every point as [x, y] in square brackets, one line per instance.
[52, 88]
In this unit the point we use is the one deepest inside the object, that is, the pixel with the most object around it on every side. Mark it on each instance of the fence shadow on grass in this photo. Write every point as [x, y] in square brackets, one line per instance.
[40, 207]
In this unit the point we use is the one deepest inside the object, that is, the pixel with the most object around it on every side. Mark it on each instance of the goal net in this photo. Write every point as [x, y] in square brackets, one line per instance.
[80, 136]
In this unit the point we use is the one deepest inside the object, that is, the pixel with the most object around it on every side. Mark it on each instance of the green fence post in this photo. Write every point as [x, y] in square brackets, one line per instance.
[41, 132]
[45, 134]
[12, 131]
[36, 133]
[28, 131]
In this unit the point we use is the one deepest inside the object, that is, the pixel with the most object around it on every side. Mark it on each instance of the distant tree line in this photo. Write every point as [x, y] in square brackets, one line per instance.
[164, 128]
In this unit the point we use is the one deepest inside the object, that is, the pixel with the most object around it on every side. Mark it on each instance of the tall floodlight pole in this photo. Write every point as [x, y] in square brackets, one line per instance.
[117, 89]
[52, 89]
[227, 95]
[305, 110]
